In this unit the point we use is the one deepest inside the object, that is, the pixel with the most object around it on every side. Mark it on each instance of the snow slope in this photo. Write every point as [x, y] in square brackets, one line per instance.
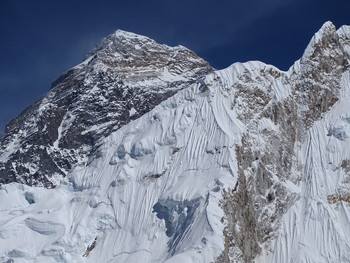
[249, 164]
[160, 166]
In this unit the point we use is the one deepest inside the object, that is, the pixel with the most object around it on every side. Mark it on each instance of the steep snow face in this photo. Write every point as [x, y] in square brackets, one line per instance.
[315, 228]
[249, 164]
[152, 195]
[123, 78]
[276, 165]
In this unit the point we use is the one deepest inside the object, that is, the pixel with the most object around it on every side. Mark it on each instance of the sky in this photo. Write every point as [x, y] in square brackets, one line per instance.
[41, 39]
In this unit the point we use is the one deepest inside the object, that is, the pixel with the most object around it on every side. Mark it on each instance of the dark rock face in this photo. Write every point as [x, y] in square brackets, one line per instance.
[124, 77]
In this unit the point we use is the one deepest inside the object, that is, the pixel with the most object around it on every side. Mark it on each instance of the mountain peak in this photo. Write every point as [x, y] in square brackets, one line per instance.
[327, 26]
[324, 38]
[124, 77]
[129, 35]
[124, 42]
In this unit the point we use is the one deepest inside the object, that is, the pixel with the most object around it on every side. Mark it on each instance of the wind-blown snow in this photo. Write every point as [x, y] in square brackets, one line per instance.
[167, 156]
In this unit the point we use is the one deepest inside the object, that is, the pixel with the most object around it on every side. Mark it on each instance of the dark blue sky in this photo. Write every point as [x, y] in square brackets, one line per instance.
[40, 39]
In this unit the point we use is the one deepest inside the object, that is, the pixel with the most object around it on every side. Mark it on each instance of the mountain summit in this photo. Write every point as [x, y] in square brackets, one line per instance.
[125, 76]
[156, 157]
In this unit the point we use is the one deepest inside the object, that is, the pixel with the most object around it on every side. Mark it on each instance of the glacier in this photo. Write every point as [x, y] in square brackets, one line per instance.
[248, 164]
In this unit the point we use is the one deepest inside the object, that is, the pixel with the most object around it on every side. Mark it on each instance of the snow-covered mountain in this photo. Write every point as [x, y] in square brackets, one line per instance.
[125, 76]
[167, 161]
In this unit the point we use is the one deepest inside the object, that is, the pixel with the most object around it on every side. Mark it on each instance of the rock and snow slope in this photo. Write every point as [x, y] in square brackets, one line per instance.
[249, 164]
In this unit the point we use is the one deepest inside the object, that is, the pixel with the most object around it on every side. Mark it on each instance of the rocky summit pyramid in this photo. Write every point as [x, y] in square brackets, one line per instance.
[144, 153]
